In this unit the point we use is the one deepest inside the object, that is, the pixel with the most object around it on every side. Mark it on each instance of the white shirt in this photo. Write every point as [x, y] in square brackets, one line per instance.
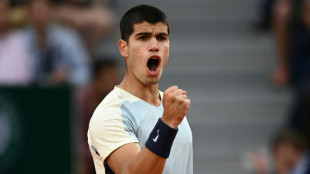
[123, 118]
[14, 60]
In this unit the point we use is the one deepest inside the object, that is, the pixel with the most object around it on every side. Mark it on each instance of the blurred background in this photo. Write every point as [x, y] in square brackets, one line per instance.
[244, 63]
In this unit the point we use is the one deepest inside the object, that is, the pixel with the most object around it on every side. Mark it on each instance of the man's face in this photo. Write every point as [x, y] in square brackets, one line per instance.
[286, 157]
[39, 12]
[107, 78]
[146, 52]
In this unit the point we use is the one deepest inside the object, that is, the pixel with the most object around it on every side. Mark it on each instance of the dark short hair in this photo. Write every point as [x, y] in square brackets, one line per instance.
[289, 136]
[139, 14]
[100, 64]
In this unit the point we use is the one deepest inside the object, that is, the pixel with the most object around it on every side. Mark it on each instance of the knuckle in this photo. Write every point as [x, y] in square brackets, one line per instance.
[187, 107]
[173, 88]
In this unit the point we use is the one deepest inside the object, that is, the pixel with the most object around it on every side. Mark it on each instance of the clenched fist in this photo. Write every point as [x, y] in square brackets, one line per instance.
[176, 104]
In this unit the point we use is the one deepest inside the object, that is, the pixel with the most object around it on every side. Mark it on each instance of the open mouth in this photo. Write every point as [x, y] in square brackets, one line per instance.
[153, 63]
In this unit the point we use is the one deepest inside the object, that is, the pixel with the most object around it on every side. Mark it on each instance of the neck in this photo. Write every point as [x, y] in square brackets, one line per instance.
[148, 93]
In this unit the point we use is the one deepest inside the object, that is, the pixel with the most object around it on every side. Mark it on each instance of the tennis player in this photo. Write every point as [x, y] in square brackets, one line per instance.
[138, 129]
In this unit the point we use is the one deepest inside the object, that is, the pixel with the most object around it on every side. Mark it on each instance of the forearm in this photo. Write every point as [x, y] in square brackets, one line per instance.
[282, 39]
[144, 162]
[281, 14]
[129, 159]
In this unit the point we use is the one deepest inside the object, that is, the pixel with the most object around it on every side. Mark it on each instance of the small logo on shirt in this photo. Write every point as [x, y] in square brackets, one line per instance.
[94, 149]
[156, 138]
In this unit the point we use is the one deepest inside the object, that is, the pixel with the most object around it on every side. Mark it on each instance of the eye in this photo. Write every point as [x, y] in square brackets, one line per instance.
[162, 38]
[142, 38]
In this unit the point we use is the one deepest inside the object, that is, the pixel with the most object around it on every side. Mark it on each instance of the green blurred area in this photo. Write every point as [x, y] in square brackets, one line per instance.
[36, 130]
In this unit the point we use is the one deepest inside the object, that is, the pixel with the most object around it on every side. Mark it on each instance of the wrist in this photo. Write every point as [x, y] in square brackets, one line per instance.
[161, 139]
[171, 123]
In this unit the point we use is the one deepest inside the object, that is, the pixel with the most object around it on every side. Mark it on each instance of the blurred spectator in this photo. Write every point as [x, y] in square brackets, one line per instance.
[290, 153]
[280, 22]
[14, 60]
[265, 13]
[292, 26]
[57, 53]
[92, 18]
[106, 75]
[307, 115]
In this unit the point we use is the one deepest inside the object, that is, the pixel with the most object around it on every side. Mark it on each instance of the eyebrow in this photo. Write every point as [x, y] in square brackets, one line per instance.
[150, 33]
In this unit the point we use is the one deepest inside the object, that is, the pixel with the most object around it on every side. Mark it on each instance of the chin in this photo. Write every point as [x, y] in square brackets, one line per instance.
[152, 81]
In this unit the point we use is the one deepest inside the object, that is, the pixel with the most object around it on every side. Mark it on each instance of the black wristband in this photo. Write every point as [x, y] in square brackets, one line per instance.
[161, 139]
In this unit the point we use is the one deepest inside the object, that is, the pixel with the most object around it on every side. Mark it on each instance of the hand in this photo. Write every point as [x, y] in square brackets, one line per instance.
[176, 104]
[59, 76]
[281, 76]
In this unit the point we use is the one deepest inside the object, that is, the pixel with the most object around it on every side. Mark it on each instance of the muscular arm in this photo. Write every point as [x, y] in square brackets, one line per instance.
[130, 159]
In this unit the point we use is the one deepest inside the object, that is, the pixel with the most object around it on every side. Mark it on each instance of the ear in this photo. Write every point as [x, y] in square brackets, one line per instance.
[123, 48]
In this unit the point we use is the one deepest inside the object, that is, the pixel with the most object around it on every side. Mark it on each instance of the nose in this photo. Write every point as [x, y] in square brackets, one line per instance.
[154, 46]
